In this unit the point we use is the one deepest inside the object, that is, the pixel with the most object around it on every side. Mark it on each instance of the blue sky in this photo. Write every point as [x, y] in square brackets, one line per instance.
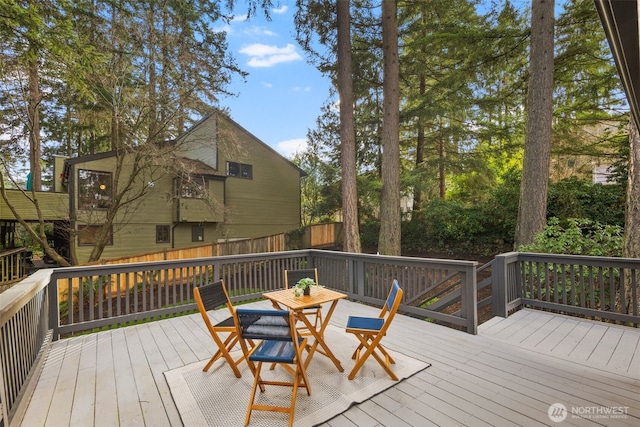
[282, 95]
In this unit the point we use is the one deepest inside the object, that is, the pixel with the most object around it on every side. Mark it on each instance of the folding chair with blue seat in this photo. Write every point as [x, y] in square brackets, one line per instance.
[371, 330]
[211, 297]
[281, 345]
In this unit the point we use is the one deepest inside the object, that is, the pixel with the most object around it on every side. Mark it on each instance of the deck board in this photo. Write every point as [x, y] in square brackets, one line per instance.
[83, 403]
[508, 374]
[106, 391]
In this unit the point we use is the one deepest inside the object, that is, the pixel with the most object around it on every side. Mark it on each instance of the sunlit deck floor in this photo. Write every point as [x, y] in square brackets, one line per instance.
[509, 374]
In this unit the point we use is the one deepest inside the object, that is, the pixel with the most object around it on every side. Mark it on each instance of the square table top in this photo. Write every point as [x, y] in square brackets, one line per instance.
[318, 295]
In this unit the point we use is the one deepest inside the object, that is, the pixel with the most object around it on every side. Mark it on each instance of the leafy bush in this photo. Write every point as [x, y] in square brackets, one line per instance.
[578, 236]
[574, 198]
[500, 211]
[370, 233]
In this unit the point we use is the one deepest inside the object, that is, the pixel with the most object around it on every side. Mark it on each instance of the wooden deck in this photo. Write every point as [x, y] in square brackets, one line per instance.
[507, 375]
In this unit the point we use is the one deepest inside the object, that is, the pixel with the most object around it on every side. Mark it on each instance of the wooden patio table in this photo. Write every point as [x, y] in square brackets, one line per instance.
[319, 295]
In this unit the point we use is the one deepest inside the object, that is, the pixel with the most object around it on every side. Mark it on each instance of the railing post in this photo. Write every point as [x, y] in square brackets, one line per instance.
[355, 269]
[54, 307]
[499, 286]
[469, 299]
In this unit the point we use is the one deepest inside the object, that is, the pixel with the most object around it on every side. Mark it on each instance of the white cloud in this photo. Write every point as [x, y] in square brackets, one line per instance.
[260, 31]
[283, 9]
[263, 56]
[267, 85]
[292, 146]
[306, 89]
[239, 18]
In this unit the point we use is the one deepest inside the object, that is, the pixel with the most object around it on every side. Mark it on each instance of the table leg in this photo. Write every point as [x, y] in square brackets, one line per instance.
[319, 337]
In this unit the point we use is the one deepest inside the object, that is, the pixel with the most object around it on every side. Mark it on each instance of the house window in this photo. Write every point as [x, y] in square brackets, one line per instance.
[88, 235]
[197, 233]
[240, 170]
[162, 234]
[192, 187]
[94, 189]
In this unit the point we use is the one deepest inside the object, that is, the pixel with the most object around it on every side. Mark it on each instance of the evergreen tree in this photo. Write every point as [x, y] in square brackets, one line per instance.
[535, 171]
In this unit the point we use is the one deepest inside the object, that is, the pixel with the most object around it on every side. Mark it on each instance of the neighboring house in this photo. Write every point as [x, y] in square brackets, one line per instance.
[594, 167]
[214, 182]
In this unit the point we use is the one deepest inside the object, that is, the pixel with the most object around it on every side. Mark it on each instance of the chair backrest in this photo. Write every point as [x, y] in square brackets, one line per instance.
[393, 301]
[291, 277]
[393, 294]
[212, 296]
[275, 325]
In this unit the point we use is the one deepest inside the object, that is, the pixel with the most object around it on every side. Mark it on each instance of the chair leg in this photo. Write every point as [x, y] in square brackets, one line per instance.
[318, 318]
[386, 364]
[223, 351]
[256, 380]
[371, 347]
[356, 352]
[294, 395]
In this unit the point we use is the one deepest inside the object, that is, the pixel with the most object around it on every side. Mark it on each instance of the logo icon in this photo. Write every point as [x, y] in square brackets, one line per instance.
[557, 412]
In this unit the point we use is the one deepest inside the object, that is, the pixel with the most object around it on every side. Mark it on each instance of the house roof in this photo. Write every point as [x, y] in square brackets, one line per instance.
[620, 21]
[222, 114]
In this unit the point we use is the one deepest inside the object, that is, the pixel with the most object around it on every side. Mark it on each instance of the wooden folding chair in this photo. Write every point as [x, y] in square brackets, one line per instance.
[281, 345]
[291, 277]
[211, 297]
[371, 330]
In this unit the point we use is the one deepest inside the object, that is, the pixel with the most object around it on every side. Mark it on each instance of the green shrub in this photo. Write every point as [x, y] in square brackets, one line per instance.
[578, 236]
[574, 198]
[370, 233]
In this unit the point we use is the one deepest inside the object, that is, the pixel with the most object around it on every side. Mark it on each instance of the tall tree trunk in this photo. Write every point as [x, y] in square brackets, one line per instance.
[532, 210]
[347, 130]
[390, 236]
[33, 102]
[417, 192]
[631, 247]
[442, 178]
[35, 148]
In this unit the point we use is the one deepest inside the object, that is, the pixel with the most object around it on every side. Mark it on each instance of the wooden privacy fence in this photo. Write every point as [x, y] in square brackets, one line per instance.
[313, 236]
[317, 235]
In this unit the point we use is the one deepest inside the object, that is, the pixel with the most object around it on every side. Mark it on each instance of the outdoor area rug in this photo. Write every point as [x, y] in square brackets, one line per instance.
[217, 398]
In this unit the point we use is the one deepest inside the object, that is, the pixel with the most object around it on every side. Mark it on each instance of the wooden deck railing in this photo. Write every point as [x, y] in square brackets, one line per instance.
[106, 295]
[599, 288]
[63, 301]
[26, 337]
[12, 265]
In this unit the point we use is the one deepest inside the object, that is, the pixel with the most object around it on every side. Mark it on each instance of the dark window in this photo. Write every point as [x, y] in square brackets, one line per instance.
[240, 170]
[192, 187]
[197, 233]
[94, 189]
[162, 234]
[88, 235]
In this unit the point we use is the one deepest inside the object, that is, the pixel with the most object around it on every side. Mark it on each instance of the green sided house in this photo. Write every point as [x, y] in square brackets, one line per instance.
[215, 182]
